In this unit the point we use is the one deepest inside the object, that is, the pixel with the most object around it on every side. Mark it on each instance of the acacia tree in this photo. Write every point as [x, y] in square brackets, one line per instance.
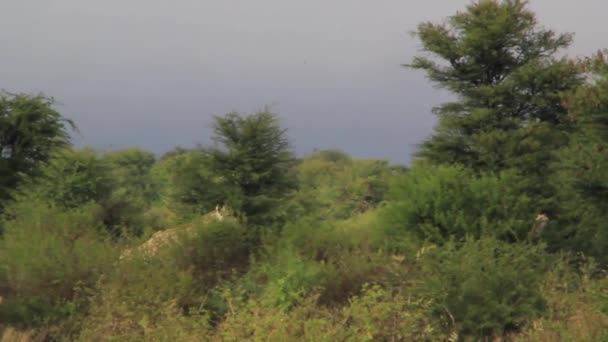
[30, 131]
[502, 66]
[253, 154]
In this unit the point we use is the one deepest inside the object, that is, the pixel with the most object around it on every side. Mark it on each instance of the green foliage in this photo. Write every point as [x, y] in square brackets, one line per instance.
[134, 300]
[290, 277]
[194, 186]
[131, 174]
[136, 295]
[334, 186]
[333, 260]
[72, 178]
[168, 324]
[173, 152]
[574, 299]
[581, 169]
[248, 169]
[218, 250]
[50, 258]
[485, 287]
[375, 315]
[252, 153]
[75, 178]
[328, 247]
[509, 114]
[378, 315]
[437, 203]
[30, 131]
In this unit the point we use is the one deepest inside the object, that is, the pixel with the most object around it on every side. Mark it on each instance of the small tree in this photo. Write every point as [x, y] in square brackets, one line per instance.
[252, 152]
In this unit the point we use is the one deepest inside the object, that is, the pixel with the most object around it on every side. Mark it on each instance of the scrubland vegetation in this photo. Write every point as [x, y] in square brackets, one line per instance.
[497, 230]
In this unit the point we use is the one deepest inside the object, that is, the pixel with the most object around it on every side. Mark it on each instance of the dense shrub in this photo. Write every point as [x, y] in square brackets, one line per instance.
[576, 303]
[134, 298]
[334, 186]
[75, 178]
[375, 315]
[486, 287]
[131, 173]
[191, 185]
[217, 250]
[333, 259]
[71, 179]
[436, 203]
[140, 298]
[50, 259]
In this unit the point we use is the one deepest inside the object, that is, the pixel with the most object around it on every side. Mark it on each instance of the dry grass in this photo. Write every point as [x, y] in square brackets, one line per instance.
[12, 335]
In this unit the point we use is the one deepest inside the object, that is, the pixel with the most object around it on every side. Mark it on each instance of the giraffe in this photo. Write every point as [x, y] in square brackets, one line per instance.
[165, 237]
[539, 224]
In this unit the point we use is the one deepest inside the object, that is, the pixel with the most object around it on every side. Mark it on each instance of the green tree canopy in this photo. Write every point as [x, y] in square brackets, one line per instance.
[252, 152]
[439, 203]
[131, 169]
[502, 67]
[333, 185]
[581, 169]
[74, 178]
[30, 131]
[192, 185]
[71, 179]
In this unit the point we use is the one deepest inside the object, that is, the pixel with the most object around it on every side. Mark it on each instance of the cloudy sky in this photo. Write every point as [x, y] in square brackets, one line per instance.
[152, 73]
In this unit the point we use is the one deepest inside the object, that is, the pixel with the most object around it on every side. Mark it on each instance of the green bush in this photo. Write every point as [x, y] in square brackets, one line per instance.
[50, 259]
[375, 315]
[169, 324]
[217, 250]
[72, 178]
[334, 186]
[192, 187]
[485, 287]
[133, 300]
[575, 291]
[135, 296]
[75, 178]
[582, 193]
[436, 203]
[334, 259]
[131, 172]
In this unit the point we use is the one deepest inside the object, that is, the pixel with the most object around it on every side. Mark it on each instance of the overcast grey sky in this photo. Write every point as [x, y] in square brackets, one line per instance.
[152, 73]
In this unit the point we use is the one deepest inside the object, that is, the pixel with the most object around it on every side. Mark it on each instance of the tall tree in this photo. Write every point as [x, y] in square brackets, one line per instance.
[30, 131]
[252, 152]
[503, 68]
[581, 168]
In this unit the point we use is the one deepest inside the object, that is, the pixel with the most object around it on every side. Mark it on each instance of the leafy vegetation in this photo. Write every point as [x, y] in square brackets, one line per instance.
[495, 230]
[30, 131]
